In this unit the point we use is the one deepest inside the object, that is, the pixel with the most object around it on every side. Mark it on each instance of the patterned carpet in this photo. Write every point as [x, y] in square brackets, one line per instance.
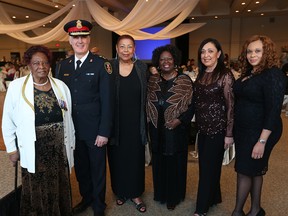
[7, 173]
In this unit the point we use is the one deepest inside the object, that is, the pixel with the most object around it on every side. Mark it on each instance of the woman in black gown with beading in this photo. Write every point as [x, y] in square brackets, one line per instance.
[214, 106]
[258, 126]
[126, 150]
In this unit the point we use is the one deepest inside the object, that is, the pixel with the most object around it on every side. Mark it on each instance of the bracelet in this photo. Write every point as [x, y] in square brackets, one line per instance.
[262, 141]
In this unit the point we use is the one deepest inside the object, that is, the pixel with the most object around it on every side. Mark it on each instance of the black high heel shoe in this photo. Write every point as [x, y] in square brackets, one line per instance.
[261, 212]
[171, 207]
[242, 213]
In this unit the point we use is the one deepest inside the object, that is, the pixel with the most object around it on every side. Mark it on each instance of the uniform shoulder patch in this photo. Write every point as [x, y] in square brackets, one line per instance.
[108, 67]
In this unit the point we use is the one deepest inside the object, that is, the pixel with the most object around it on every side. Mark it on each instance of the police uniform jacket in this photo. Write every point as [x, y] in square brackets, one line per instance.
[91, 91]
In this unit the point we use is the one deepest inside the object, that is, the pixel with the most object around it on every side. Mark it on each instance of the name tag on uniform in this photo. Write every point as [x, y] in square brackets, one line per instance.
[89, 74]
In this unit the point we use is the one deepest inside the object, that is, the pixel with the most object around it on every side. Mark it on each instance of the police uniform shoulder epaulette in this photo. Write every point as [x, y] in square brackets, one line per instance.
[107, 64]
[103, 57]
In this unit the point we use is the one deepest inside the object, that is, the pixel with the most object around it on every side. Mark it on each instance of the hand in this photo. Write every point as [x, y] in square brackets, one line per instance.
[172, 124]
[14, 157]
[228, 142]
[101, 141]
[258, 151]
[153, 70]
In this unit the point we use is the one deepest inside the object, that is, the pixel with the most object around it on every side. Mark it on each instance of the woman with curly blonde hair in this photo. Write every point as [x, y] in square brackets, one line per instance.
[259, 95]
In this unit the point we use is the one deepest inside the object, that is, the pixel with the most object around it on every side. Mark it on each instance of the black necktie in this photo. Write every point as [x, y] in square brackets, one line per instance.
[78, 62]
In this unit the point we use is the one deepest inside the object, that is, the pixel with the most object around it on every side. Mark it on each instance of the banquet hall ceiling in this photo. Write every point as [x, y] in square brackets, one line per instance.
[205, 9]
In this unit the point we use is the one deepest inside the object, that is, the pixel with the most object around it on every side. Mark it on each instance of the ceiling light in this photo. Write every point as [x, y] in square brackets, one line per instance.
[73, 5]
[257, 2]
[192, 18]
[56, 6]
[14, 17]
[262, 14]
[243, 3]
[216, 17]
[237, 11]
[249, 10]
[27, 17]
[44, 25]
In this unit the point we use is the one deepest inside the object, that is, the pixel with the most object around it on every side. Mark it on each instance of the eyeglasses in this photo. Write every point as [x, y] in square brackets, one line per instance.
[38, 63]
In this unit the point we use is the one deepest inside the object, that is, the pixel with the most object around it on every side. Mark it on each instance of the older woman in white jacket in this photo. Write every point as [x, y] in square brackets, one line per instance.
[37, 126]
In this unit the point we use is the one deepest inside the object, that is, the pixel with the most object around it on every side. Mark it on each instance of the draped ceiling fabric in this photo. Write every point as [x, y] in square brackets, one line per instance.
[144, 14]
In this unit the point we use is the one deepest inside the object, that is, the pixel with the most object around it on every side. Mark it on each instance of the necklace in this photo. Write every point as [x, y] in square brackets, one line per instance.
[41, 84]
[172, 75]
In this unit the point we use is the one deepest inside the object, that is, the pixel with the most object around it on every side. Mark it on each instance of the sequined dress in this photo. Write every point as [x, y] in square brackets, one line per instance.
[47, 191]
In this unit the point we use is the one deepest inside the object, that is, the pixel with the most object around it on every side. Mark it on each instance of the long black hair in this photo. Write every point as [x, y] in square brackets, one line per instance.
[220, 67]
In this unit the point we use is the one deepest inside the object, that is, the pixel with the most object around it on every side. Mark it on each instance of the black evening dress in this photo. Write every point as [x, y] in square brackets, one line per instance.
[47, 191]
[258, 106]
[127, 160]
[167, 100]
[214, 102]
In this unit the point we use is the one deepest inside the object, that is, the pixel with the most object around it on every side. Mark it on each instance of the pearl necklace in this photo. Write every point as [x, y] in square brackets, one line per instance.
[41, 84]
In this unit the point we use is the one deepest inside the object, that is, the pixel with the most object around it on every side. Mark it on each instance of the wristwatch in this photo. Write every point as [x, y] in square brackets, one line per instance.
[262, 141]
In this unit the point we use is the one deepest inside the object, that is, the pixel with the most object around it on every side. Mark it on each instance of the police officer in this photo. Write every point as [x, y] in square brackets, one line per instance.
[90, 81]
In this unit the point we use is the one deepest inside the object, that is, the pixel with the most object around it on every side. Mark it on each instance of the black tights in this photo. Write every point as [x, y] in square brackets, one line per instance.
[246, 185]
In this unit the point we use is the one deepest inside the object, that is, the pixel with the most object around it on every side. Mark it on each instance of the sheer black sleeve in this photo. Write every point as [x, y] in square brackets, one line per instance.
[228, 82]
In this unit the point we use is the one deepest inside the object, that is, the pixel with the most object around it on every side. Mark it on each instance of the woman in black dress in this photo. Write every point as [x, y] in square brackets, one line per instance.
[258, 125]
[126, 151]
[214, 106]
[168, 102]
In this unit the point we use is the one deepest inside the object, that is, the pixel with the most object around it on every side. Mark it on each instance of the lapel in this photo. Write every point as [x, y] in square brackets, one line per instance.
[84, 66]
[70, 68]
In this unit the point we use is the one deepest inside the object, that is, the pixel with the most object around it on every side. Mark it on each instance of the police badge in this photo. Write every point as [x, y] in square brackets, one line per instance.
[108, 67]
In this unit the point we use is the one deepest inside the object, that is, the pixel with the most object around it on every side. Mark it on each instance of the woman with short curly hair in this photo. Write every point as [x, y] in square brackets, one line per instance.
[169, 115]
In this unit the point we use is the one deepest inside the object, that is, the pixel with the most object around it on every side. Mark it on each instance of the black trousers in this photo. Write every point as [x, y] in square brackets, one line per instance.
[211, 152]
[90, 169]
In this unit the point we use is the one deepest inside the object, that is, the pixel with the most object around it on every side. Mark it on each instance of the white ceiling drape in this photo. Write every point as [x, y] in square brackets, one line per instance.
[144, 14]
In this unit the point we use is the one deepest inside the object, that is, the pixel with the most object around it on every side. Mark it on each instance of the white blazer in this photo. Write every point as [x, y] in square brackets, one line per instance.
[19, 120]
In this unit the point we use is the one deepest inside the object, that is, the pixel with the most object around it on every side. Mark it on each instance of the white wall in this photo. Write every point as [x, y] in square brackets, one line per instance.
[232, 33]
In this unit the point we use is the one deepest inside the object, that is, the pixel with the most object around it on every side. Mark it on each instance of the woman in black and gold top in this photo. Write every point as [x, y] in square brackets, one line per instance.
[214, 102]
[169, 114]
[37, 116]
